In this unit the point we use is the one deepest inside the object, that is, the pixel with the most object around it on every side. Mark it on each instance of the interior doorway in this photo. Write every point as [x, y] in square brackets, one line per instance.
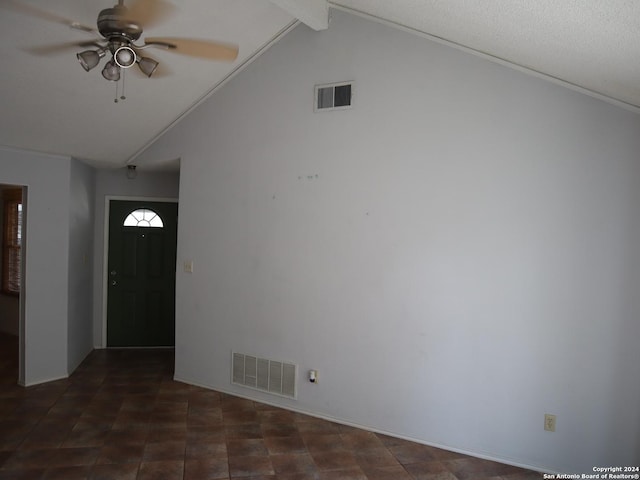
[12, 283]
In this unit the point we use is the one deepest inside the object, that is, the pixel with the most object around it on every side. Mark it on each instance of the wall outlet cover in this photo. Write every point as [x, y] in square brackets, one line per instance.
[549, 422]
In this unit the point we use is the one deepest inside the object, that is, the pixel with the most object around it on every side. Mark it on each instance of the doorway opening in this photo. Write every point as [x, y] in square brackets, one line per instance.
[12, 284]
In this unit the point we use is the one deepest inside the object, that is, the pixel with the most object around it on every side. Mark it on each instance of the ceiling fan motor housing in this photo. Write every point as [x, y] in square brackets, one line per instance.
[112, 22]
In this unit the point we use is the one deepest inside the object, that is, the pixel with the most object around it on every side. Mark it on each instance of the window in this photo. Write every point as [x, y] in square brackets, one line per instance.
[143, 217]
[12, 241]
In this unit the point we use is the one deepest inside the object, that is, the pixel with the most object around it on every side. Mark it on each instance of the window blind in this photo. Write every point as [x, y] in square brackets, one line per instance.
[12, 241]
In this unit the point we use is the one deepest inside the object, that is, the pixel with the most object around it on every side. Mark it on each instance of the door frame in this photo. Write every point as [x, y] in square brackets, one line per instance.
[105, 252]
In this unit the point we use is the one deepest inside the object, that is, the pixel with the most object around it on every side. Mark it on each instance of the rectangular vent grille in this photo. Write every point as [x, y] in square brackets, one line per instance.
[278, 378]
[335, 96]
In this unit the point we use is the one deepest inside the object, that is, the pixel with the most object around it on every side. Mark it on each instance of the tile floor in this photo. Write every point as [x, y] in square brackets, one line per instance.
[121, 416]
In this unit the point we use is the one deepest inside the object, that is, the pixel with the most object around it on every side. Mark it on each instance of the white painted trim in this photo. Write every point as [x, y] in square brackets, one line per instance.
[22, 330]
[40, 382]
[313, 13]
[491, 58]
[281, 34]
[482, 455]
[105, 252]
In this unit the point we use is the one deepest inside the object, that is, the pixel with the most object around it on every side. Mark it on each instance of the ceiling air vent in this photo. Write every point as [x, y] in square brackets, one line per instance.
[333, 96]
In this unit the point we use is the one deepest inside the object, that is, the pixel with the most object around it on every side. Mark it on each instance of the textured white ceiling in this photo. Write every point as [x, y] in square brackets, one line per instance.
[50, 104]
[593, 44]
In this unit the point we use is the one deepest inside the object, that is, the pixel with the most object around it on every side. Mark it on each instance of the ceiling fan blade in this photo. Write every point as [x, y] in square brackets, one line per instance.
[148, 12]
[61, 47]
[48, 16]
[206, 49]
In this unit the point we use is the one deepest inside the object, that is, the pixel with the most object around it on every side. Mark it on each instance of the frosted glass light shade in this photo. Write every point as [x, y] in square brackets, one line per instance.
[90, 58]
[147, 65]
[111, 71]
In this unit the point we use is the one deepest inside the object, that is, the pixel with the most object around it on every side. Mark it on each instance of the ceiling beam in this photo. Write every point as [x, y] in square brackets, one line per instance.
[313, 13]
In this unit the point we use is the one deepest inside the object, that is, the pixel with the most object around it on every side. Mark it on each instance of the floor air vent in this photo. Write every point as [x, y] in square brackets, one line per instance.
[270, 376]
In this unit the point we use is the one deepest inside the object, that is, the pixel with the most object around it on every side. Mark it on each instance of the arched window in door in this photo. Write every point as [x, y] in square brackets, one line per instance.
[143, 217]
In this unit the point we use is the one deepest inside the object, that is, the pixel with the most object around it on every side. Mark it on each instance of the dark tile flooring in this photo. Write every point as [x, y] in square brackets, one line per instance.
[122, 416]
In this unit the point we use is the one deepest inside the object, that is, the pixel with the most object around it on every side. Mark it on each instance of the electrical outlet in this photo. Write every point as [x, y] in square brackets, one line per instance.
[549, 422]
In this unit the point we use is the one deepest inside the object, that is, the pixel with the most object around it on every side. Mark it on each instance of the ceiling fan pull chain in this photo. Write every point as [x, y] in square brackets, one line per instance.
[122, 97]
[124, 72]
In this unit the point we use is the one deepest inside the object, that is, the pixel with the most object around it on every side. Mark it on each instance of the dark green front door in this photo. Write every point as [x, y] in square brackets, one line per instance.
[141, 273]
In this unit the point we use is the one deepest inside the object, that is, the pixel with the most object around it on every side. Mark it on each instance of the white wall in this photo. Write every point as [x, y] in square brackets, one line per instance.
[457, 255]
[115, 183]
[46, 262]
[80, 303]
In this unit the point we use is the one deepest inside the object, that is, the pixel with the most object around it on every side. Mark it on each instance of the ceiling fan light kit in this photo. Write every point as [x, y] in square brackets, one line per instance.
[119, 28]
[120, 32]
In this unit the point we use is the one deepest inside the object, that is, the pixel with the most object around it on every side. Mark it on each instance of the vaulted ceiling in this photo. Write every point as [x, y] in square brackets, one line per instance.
[50, 104]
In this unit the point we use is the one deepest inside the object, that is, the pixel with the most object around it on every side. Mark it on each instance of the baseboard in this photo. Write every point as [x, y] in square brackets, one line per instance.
[40, 382]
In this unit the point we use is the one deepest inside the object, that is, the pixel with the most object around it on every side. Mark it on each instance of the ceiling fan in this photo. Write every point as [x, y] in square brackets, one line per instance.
[120, 27]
